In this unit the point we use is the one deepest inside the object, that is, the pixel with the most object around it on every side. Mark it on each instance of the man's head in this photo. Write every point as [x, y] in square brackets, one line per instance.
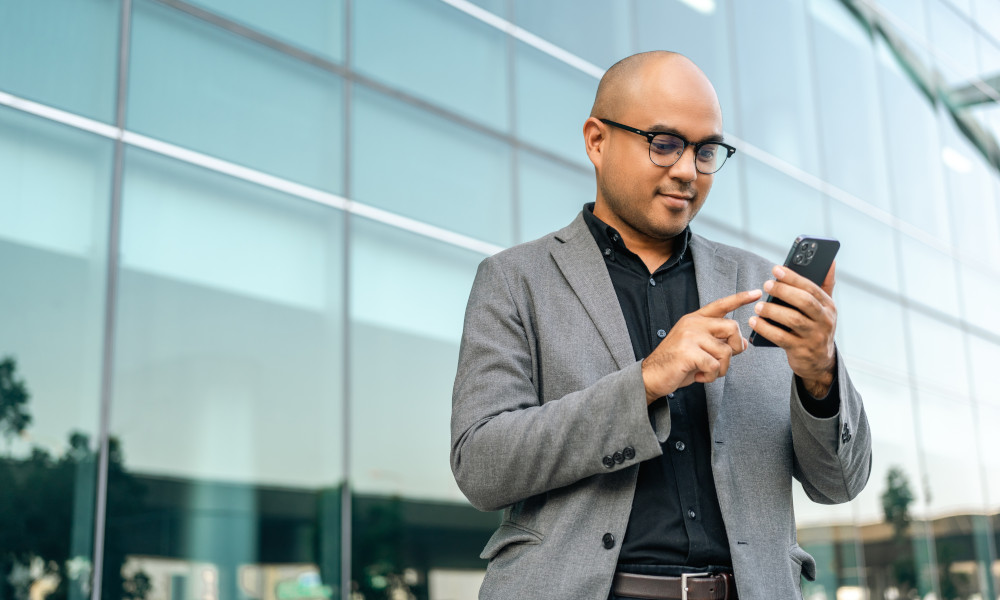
[660, 92]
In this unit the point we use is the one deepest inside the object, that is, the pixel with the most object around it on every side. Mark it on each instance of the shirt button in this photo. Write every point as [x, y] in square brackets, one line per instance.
[614, 237]
[692, 514]
[680, 446]
[607, 252]
[608, 540]
[670, 395]
[652, 281]
[608, 461]
[661, 333]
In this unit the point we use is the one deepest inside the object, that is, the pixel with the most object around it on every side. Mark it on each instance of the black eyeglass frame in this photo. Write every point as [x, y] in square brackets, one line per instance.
[650, 135]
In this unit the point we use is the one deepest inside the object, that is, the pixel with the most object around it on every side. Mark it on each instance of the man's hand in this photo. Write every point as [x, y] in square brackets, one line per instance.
[809, 345]
[697, 349]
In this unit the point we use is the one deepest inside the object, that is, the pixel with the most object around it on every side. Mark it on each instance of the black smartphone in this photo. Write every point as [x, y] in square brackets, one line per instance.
[810, 257]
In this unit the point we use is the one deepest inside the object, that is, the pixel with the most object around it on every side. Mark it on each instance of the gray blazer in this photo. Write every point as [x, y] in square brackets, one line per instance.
[548, 385]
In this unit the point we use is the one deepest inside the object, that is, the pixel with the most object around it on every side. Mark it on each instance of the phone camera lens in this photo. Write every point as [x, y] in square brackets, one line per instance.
[799, 259]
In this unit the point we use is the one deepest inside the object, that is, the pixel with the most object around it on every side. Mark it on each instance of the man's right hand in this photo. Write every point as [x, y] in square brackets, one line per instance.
[697, 349]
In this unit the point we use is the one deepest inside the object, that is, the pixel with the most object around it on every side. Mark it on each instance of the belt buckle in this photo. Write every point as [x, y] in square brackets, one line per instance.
[684, 582]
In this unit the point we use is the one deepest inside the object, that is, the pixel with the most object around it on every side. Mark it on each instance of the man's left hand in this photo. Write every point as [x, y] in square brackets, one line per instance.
[809, 345]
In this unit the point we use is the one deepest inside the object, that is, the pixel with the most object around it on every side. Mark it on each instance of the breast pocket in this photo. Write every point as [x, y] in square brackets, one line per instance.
[507, 535]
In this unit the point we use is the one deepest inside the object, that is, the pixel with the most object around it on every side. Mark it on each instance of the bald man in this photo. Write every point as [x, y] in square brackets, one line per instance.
[607, 400]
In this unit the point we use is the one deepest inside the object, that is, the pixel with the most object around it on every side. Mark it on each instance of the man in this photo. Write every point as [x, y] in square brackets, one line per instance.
[607, 404]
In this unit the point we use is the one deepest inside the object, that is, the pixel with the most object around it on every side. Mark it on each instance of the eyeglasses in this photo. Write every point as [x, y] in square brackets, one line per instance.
[665, 149]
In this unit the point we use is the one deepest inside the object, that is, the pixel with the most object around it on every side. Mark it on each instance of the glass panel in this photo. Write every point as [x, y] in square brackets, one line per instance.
[700, 31]
[718, 232]
[314, 25]
[984, 356]
[203, 88]
[928, 275]
[725, 203]
[456, 178]
[867, 247]
[436, 52]
[914, 163]
[955, 494]
[870, 329]
[595, 30]
[955, 40]
[414, 334]
[980, 291]
[552, 100]
[550, 194]
[890, 508]
[777, 108]
[781, 208]
[412, 528]
[851, 129]
[938, 355]
[971, 198]
[907, 15]
[228, 385]
[987, 14]
[55, 188]
[63, 53]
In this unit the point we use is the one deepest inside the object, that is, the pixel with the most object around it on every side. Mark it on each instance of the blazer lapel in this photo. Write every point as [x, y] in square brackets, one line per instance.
[580, 261]
[716, 277]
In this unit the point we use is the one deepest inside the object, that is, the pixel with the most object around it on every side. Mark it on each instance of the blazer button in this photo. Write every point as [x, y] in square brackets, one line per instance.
[608, 461]
[619, 457]
[609, 541]
[629, 452]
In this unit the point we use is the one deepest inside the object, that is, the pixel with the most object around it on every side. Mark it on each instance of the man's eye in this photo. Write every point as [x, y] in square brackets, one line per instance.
[707, 153]
[667, 146]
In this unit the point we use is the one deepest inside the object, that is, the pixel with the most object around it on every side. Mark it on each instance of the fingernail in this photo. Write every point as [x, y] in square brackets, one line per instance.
[768, 285]
[744, 342]
[779, 272]
[758, 307]
[753, 321]
[754, 293]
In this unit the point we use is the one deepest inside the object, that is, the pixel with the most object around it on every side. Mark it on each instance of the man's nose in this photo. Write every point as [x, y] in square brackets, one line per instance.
[684, 169]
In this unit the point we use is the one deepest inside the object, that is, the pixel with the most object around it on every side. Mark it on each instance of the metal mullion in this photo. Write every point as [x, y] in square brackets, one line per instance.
[110, 307]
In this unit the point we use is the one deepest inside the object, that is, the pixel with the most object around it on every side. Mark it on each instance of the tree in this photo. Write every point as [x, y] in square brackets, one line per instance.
[896, 500]
[14, 396]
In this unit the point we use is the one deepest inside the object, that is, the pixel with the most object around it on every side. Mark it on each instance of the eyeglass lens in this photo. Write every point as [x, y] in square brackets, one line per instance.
[665, 149]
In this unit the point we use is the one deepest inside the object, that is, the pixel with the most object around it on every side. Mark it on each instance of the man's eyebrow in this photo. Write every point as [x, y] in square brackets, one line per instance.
[658, 128]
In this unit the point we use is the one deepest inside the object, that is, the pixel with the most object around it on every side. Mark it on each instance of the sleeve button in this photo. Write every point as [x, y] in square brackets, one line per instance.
[628, 452]
[608, 461]
[619, 457]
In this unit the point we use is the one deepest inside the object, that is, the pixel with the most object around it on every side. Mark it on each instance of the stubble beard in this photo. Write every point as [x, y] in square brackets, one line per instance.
[630, 212]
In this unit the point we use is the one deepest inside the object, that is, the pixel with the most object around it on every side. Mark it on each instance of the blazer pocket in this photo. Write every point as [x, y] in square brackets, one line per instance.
[805, 561]
[507, 534]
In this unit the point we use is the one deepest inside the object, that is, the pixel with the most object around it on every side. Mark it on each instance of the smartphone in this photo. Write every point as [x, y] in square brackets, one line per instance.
[811, 257]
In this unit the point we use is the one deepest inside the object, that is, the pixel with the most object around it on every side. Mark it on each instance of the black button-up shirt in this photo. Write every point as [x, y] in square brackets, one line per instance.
[675, 518]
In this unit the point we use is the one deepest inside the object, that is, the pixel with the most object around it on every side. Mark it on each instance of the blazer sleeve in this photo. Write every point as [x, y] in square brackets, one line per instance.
[506, 445]
[832, 455]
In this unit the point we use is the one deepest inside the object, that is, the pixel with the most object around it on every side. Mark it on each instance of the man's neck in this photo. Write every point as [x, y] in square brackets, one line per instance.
[653, 252]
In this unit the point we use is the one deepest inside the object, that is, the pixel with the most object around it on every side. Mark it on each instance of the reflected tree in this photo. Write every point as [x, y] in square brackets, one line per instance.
[39, 512]
[378, 571]
[14, 416]
[896, 501]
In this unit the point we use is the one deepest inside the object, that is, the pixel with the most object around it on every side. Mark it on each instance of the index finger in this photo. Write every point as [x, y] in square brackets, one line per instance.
[723, 306]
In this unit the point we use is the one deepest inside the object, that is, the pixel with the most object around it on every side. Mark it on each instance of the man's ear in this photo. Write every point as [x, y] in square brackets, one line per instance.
[594, 137]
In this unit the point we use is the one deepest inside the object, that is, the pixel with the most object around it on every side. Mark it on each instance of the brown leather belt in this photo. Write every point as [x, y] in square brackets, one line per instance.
[696, 586]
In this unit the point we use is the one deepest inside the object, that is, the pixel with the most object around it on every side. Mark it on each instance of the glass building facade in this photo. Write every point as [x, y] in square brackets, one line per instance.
[237, 238]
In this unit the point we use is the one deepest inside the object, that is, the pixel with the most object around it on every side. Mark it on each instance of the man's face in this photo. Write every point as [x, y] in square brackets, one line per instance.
[647, 200]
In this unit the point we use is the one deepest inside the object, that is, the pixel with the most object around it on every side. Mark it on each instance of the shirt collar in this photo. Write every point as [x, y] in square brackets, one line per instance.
[607, 236]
